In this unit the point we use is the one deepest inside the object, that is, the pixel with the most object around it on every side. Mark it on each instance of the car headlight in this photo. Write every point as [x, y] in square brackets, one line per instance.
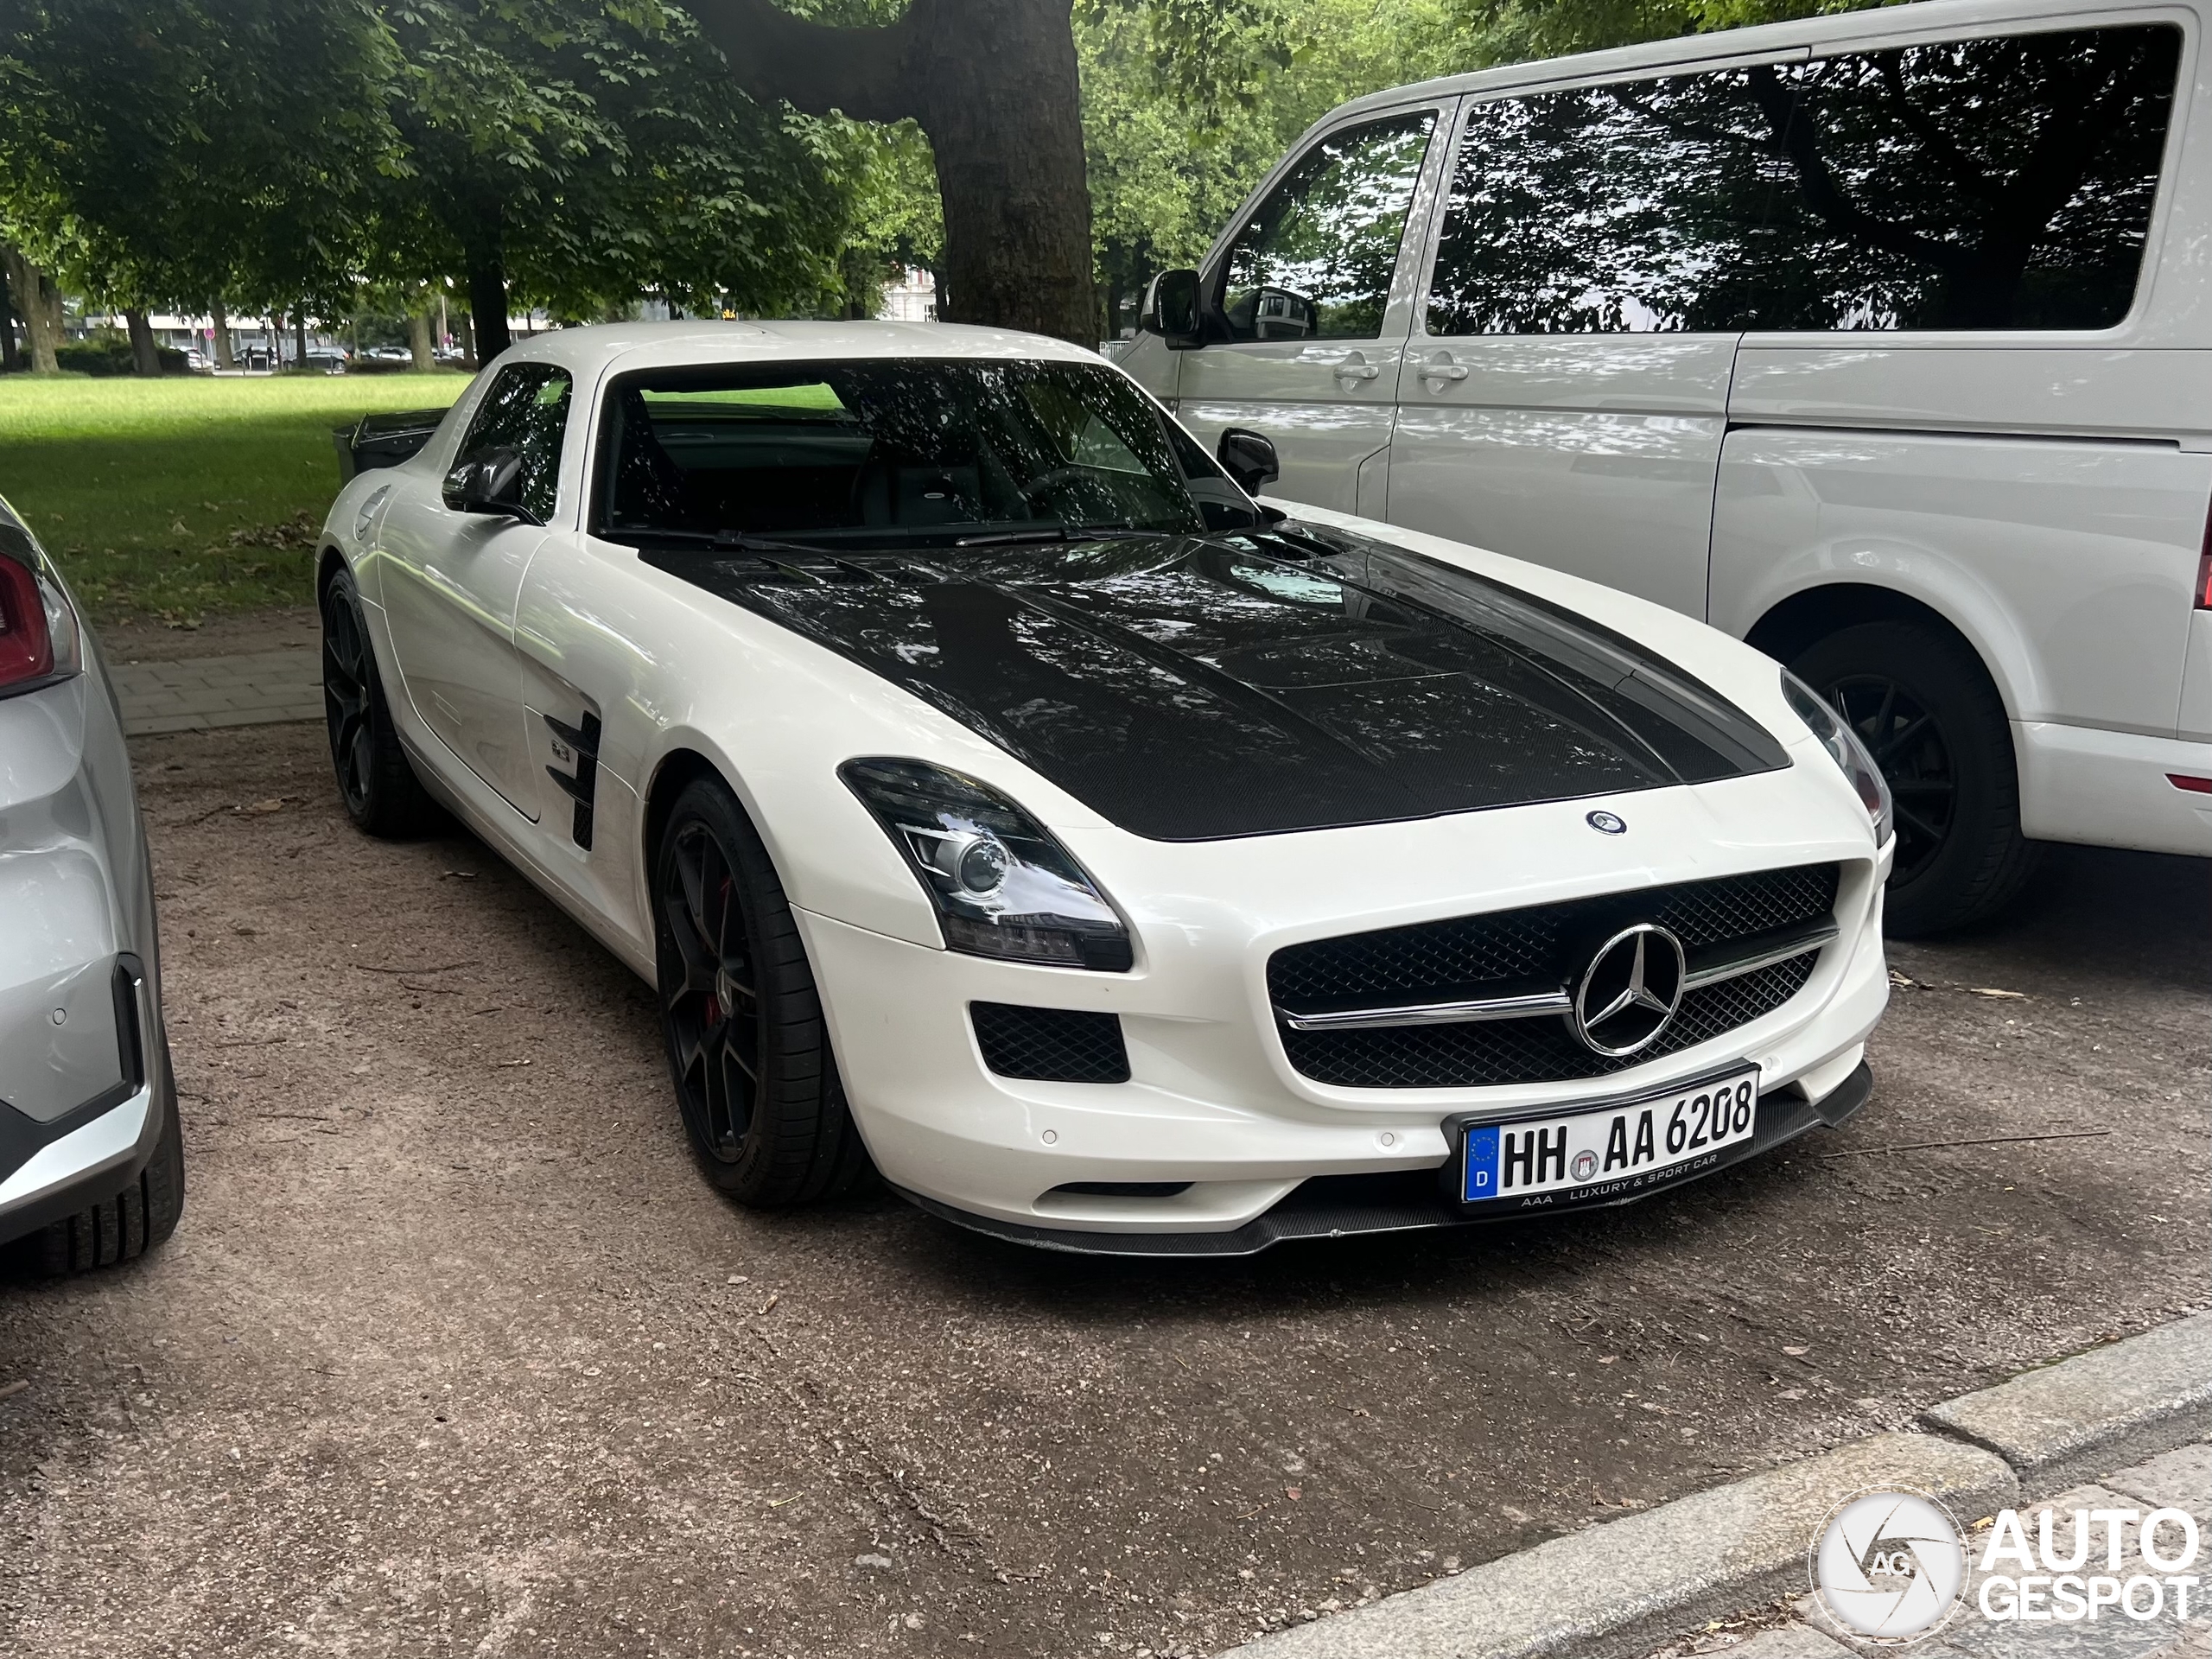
[1001, 885]
[1843, 745]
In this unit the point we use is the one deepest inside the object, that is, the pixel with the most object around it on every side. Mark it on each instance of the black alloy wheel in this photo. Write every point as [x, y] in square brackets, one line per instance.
[747, 1047]
[377, 781]
[1920, 700]
[713, 1003]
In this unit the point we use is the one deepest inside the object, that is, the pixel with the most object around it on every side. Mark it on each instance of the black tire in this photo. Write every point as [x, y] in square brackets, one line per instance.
[126, 1226]
[375, 778]
[1922, 704]
[747, 1049]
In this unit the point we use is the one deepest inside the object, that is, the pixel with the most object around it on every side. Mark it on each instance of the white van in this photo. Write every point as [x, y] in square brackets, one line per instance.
[1883, 341]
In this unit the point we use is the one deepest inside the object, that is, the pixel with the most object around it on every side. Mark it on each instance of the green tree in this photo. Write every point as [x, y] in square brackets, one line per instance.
[192, 152]
[993, 84]
[585, 154]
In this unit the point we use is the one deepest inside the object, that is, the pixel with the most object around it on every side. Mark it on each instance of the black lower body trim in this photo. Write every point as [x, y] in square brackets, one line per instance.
[1337, 1206]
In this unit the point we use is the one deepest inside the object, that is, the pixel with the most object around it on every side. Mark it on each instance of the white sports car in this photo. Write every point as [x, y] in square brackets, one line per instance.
[996, 792]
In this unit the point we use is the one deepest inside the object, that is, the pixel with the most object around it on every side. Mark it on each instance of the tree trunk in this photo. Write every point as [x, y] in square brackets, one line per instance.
[145, 360]
[487, 289]
[11, 356]
[39, 304]
[992, 83]
[418, 341]
[223, 357]
[468, 337]
[299, 334]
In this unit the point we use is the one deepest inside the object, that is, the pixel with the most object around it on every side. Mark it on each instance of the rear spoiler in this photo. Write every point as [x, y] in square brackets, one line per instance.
[382, 440]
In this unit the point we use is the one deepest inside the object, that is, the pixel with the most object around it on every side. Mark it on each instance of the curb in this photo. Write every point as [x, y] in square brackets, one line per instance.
[1624, 1588]
[2097, 1412]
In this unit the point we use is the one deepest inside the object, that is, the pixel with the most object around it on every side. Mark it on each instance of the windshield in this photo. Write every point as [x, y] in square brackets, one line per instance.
[900, 452]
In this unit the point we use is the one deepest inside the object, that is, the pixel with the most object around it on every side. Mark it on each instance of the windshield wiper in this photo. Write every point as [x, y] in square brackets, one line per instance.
[1064, 533]
[736, 541]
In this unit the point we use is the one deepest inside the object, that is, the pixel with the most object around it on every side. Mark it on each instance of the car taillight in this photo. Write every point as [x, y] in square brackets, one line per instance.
[2204, 577]
[26, 641]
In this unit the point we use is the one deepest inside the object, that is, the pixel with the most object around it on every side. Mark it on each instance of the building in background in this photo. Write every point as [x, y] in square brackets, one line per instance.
[912, 298]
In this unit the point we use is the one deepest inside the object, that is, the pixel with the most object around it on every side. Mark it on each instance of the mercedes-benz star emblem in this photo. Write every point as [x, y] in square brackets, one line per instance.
[1629, 991]
[1607, 823]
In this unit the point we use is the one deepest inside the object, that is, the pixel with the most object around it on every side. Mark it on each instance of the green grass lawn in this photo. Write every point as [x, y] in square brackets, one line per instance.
[177, 498]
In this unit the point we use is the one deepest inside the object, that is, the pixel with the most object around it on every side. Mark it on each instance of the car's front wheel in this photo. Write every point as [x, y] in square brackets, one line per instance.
[747, 1045]
[377, 782]
[1926, 710]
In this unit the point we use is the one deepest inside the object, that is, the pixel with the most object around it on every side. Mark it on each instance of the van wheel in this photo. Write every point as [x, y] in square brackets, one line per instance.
[1924, 705]
[747, 1047]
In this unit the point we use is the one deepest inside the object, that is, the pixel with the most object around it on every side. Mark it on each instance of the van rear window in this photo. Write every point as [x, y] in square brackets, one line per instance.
[1997, 183]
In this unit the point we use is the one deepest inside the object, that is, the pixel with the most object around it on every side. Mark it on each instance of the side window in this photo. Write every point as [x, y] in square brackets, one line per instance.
[1999, 183]
[1315, 261]
[526, 411]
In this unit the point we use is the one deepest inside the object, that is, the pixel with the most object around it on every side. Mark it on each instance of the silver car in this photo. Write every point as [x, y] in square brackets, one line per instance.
[91, 1158]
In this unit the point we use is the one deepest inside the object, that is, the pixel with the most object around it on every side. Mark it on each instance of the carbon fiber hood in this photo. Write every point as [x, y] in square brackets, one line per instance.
[1191, 689]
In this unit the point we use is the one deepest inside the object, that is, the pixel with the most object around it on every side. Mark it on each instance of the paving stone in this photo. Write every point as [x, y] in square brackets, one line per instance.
[252, 688]
[1790, 1642]
[2178, 1480]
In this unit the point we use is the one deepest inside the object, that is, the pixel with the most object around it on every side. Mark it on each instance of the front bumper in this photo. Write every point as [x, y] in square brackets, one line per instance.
[1338, 1206]
[1212, 1106]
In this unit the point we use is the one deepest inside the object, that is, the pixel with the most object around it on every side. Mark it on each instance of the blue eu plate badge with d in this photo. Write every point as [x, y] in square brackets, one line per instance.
[1481, 1175]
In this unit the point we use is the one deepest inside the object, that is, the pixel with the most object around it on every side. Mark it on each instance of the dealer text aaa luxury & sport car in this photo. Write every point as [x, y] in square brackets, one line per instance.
[996, 792]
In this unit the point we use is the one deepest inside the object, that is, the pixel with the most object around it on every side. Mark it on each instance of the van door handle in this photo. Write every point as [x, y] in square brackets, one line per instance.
[1357, 368]
[1443, 368]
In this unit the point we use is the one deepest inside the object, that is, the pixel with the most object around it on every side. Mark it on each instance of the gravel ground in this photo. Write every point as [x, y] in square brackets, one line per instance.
[454, 1352]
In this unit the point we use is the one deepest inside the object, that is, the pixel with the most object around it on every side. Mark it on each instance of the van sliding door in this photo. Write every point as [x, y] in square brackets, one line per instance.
[1566, 386]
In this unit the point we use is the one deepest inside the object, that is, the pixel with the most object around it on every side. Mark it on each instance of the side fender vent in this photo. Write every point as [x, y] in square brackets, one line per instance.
[583, 786]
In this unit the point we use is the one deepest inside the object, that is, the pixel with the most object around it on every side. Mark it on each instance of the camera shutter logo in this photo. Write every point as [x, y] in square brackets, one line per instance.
[1889, 1566]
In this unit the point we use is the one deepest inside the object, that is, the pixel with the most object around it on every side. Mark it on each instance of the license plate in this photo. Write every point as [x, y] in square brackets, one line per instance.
[1610, 1152]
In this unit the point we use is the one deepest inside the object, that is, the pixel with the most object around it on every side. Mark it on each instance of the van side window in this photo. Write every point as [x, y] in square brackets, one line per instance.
[1315, 261]
[525, 410]
[1997, 183]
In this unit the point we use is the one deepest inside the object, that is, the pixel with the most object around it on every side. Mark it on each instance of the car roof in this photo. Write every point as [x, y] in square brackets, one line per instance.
[625, 345]
[1931, 19]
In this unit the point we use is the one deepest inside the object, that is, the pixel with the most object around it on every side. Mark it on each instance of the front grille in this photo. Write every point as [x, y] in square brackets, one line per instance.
[1543, 946]
[1051, 1044]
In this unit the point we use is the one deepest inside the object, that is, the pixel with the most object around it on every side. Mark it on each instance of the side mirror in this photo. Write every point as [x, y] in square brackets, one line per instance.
[491, 485]
[1170, 308]
[1248, 458]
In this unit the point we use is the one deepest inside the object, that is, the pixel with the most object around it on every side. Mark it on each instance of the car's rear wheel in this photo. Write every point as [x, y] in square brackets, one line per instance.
[126, 1226]
[377, 782]
[1927, 710]
[747, 1045]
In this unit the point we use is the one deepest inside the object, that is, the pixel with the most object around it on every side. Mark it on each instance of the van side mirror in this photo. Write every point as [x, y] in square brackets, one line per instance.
[491, 485]
[1247, 458]
[1170, 308]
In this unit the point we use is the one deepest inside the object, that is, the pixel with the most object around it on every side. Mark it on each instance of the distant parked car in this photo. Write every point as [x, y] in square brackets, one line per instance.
[197, 361]
[389, 354]
[91, 1158]
[329, 362]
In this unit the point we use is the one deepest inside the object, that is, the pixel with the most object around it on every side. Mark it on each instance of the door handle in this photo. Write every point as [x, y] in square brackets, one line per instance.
[1443, 368]
[1356, 368]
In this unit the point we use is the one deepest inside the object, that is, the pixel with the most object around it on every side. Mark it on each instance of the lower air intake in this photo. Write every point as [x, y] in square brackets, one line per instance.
[1051, 1044]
